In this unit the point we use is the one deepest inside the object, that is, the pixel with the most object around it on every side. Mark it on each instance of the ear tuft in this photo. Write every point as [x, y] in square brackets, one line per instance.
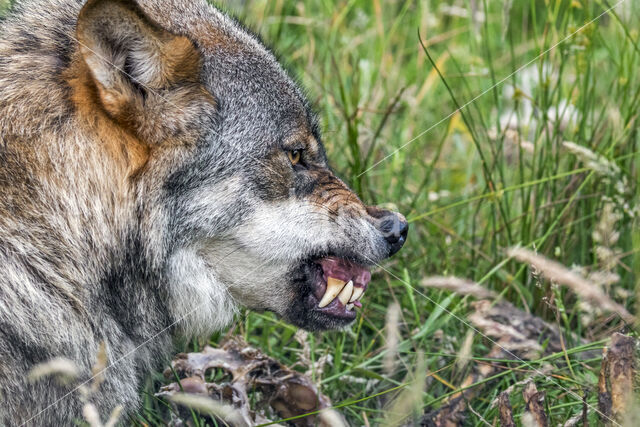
[182, 60]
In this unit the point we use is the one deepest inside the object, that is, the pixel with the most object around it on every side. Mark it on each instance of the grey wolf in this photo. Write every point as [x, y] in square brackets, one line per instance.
[153, 156]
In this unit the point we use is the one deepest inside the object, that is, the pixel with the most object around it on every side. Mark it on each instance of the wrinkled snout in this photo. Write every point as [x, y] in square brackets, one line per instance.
[392, 225]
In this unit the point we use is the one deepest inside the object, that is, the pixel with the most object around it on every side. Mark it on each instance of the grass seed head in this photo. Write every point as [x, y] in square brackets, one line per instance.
[561, 275]
[393, 337]
[64, 370]
[208, 406]
[457, 285]
[464, 355]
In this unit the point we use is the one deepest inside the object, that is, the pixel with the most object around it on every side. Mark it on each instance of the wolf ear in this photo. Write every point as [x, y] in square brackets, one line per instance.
[144, 75]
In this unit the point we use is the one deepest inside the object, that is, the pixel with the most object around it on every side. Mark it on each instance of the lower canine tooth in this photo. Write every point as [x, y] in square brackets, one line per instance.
[345, 295]
[334, 286]
[357, 293]
[349, 306]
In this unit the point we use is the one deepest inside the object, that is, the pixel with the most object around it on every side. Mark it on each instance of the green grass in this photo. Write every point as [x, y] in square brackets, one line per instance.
[468, 190]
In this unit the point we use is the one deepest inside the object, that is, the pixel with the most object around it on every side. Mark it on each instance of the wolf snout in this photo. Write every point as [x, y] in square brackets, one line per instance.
[392, 225]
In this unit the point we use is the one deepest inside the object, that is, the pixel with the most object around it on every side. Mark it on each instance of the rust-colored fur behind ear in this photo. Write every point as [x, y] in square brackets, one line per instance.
[119, 143]
[146, 79]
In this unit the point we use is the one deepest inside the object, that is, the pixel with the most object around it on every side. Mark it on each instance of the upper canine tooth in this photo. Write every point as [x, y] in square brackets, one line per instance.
[357, 293]
[345, 295]
[334, 286]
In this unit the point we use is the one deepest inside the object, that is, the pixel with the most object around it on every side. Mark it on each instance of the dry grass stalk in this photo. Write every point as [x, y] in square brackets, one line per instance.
[457, 285]
[393, 337]
[91, 415]
[316, 368]
[528, 420]
[497, 329]
[597, 163]
[331, 418]
[611, 173]
[516, 331]
[409, 401]
[115, 416]
[464, 355]
[545, 370]
[575, 420]
[558, 273]
[365, 419]
[211, 407]
[604, 396]
[606, 236]
[505, 410]
[535, 404]
[581, 418]
[615, 382]
[621, 368]
[64, 370]
[99, 367]
[479, 416]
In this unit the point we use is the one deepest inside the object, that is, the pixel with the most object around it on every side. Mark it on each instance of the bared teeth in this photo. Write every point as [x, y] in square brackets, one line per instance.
[345, 295]
[357, 293]
[334, 286]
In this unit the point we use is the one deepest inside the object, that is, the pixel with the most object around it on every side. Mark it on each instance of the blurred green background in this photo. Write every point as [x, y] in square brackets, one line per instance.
[544, 155]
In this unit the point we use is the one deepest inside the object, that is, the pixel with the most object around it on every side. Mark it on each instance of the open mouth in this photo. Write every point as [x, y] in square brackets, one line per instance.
[337, 289]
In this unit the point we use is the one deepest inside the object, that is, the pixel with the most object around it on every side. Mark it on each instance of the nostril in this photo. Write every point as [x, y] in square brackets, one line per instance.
[404, 229]
[390, 230]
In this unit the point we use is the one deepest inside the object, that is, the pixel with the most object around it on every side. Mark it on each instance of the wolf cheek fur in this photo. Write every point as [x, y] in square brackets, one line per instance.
[146, 190]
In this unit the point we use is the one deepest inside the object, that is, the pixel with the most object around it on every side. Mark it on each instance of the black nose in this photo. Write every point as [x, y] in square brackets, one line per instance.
[394, 228]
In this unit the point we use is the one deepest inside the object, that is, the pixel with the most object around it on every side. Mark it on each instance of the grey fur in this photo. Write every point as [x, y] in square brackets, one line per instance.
[92, 252]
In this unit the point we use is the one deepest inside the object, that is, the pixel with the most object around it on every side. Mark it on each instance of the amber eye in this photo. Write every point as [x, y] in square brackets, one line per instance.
[294, 156]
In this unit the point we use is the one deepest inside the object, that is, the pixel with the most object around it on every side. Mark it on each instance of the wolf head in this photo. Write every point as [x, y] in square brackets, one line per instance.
[234, 195]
